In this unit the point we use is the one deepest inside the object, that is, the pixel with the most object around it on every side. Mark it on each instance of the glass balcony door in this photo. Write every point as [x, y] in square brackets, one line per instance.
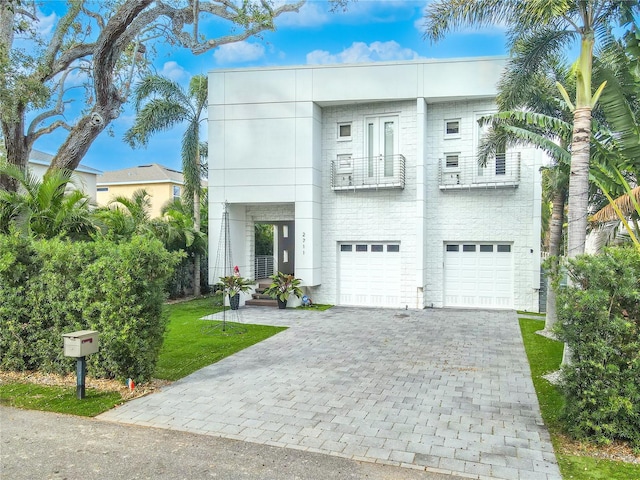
[381, 148]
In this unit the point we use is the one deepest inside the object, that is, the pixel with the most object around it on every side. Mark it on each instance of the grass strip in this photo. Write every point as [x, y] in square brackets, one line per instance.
[57, 399]
[545, 356]
[190, 343]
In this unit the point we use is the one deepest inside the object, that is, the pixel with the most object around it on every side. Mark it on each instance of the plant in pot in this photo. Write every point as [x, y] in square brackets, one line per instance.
[233, 285]
[283, 285]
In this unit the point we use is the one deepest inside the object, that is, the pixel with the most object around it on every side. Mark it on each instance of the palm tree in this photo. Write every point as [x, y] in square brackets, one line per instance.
[45, 208]
[162, 104]
[123, 217]
[538, 29]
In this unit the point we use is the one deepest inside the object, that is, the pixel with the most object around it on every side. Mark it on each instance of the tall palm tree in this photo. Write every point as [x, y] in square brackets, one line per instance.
[45, 208]
[162, 104]
[538, 29]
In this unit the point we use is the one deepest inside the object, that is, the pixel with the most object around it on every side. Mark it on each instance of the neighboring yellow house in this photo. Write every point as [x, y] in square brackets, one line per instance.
[161, 183]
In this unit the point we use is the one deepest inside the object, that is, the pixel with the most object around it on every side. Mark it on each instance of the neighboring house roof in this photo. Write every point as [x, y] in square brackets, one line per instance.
[152, 173]
[39, 157]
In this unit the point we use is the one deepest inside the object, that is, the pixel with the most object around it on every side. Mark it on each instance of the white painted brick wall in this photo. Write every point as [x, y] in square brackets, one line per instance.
[494, 215]
[367, 215]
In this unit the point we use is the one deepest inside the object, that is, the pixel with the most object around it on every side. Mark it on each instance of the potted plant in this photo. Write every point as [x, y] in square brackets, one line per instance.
[233, 285]
[283, 285]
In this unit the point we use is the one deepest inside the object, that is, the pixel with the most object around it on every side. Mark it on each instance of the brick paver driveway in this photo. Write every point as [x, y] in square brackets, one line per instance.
[442, 390]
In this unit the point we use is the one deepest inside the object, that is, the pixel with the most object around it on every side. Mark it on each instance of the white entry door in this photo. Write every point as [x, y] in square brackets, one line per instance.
[478, 275]
[369, 274]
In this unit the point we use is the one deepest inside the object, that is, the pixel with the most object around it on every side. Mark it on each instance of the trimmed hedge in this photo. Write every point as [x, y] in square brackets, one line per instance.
[51, 287]
[600, 321]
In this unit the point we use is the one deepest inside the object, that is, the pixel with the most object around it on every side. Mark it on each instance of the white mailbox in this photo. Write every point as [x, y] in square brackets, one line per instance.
[80, 343]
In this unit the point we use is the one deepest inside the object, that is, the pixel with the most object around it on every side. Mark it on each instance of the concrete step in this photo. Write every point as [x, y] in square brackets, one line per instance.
[262, 302]
[260, 296]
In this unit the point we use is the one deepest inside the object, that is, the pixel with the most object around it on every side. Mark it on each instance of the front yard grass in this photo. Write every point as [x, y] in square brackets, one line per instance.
[545, 356]
[188, 346]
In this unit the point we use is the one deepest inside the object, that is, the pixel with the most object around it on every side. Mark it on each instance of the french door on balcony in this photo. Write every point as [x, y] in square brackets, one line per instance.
[381, 147]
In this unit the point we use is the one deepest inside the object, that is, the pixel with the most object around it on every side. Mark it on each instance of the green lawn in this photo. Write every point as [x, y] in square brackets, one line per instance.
[190, 344]
[545, 356]
[57, 399]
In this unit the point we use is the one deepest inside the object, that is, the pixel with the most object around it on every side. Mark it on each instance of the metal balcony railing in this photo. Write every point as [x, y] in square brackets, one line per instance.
[263, 266]
[381, 171]
[502, 171]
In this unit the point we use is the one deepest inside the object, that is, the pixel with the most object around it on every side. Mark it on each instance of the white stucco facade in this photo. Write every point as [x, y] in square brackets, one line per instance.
[378, 159]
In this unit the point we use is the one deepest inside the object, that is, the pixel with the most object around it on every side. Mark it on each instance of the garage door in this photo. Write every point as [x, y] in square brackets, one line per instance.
[369, 274]
[478, 275]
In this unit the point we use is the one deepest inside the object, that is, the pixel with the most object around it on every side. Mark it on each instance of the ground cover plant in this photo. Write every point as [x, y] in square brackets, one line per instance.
[576, 460]
[189, 344]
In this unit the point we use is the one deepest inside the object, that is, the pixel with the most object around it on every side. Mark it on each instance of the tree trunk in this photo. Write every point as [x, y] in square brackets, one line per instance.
[555, 240]
[196, 227]
[18, 151]
[579, 182]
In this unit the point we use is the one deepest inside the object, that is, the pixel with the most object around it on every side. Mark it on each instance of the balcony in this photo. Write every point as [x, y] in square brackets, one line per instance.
[502, 171]
[368, 173]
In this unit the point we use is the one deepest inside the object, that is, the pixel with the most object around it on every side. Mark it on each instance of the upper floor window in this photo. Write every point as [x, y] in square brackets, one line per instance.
[344, 131]
[451, 160]
[452, 128]
[176, 192]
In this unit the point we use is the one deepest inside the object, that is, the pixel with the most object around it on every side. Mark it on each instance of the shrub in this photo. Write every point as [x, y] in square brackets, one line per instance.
[600, 321]
[51, 287]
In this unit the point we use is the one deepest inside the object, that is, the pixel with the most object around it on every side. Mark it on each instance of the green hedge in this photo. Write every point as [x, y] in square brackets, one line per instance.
[51, 287]
[600, 321]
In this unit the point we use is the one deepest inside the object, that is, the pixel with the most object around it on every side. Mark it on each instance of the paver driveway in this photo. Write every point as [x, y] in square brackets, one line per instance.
[441, 390]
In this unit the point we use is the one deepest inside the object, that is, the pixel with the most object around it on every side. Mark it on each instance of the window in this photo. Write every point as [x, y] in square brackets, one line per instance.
[346, 248]
[344, 163]
[377, 248]
[451, 160]
[468, 248]
[102, 189]
[176, 192]
[344, 131]
[452, 128]
[501, 164]
[486, 248]
[453, 248]
[504, 248]
[393, 248]
[362, 248]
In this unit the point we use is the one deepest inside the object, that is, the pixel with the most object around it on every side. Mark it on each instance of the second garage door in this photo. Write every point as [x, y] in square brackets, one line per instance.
[478, 275]
[369, 274]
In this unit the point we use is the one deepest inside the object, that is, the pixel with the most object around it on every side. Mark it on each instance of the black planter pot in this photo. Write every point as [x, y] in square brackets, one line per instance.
[281, 304]
[234, 302]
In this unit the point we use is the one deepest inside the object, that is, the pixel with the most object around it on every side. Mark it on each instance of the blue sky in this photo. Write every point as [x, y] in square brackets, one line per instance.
[370, 30]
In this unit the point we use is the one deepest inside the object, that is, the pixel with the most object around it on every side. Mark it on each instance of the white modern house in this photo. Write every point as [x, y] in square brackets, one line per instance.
[369, 172]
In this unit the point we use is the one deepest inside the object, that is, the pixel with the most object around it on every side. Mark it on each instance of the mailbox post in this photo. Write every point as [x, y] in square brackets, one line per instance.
[80, 344]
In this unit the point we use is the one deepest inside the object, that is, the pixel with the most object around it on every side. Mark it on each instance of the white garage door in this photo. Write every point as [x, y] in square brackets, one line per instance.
[478, 275]
[369, 274]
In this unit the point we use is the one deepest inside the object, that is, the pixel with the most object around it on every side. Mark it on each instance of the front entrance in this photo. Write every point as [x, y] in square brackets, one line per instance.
[286, 242]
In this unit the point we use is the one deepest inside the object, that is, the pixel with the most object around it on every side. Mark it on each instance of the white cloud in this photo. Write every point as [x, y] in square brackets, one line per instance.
[238, 52]
[46, 23]
[311, 14]
[174, 71]
[360, 52]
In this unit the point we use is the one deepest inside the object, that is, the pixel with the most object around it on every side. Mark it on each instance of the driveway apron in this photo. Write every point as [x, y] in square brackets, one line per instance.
[446, 391]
